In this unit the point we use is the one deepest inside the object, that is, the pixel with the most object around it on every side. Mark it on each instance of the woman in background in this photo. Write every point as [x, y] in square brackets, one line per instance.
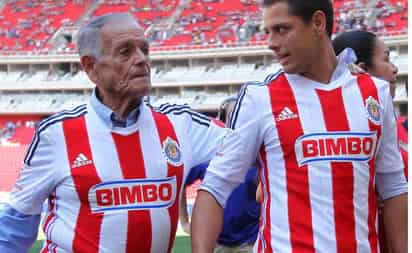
[373, 57]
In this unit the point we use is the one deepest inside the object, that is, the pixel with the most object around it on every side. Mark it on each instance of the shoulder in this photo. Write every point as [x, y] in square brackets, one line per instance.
[182, 113]
[46, 129]
[382, 86]
[52, 120]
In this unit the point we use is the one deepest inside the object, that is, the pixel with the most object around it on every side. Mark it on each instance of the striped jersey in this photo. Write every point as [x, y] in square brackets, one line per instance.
[113, 189]
[319, 148]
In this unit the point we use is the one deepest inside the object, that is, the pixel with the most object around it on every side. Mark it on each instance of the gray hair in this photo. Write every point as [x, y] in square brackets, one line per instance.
[89, 41]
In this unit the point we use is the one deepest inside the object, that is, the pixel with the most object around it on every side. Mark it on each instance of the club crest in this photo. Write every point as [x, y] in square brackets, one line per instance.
[374, 110]
[172, 152]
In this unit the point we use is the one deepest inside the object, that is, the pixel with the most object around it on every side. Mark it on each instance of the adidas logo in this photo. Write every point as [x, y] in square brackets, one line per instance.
[81, 160]
[286, 114]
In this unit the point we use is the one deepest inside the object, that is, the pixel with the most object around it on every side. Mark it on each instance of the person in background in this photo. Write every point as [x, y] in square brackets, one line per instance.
[241, 215]
[373, 56]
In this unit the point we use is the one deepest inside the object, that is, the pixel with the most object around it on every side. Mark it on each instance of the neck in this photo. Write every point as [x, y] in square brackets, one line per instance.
[325, 65]
[122, 106]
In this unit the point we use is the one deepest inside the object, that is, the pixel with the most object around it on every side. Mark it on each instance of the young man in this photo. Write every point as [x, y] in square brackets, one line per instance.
[113, 170]
[323, 137]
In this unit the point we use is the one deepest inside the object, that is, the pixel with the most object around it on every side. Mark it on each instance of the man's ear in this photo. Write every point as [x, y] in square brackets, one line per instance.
[319, 22]
[89, 66]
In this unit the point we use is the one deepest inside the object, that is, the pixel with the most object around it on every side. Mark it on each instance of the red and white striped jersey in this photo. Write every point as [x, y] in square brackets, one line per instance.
[113, 189]
[319, 148]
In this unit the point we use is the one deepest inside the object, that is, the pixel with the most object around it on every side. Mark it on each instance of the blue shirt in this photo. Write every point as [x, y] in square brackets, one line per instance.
[241, 213]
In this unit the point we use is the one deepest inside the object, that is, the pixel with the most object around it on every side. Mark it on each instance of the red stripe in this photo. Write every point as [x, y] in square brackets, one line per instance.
[165, 130]
[299, 210]
[368, 88]
[261, 225]
[51, 215]
[139, 227]
[335, 118]
[266, 196]
[87, 229]
[46, 247]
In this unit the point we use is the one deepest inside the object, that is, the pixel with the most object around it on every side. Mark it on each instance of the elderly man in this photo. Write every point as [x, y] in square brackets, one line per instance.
[323, 138]
[113, 169]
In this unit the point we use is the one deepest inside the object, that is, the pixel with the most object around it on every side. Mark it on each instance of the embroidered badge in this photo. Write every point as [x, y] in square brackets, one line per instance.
[172, 152]
[374, 110]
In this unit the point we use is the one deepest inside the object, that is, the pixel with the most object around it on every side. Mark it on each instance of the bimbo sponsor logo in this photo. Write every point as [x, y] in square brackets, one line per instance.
[136, 194]
[335, 146]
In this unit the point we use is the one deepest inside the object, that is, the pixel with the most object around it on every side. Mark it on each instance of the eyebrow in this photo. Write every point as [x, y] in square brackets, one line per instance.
[126, 42]
[274, 26]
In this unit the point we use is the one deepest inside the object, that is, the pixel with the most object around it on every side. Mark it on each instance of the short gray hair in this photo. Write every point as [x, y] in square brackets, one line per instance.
[89, 41]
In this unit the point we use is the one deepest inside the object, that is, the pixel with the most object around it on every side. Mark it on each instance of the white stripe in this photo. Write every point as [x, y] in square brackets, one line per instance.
[358, 122]
[62, 231]
[155, 168]
[114, 223]
[319, 176]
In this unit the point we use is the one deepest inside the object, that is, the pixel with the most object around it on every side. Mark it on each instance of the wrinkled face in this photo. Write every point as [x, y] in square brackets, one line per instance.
[123, 68]
[294, 42]
[382, 67]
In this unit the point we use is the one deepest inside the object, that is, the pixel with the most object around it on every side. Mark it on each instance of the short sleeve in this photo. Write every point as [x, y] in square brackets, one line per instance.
[389, 158]
[37, 179]
[238, 150]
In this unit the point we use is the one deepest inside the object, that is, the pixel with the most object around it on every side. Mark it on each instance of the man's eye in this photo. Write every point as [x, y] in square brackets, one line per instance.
[281, 30]
[145, 50]
[124, 51]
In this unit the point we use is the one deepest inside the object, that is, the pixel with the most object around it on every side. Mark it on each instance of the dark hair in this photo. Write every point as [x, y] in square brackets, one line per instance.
[306, 8]
[362, 42]
[223, 108]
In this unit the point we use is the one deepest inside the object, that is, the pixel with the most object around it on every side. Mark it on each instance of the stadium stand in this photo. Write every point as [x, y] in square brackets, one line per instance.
[29, 26]
[16, 133]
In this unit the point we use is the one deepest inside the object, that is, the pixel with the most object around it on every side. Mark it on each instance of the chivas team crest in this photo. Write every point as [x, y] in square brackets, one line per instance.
[374, 110]
[172, 152]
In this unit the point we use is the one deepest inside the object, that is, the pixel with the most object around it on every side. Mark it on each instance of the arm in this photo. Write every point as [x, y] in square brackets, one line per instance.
[259, 194]
[197, 172]
[183, 216]
[20, 220]
[395, 218]
[206, 230]
[235, 155]
[18, 231]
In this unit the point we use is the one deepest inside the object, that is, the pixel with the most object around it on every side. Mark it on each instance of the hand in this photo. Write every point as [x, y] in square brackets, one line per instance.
[259, 195]
[186, 228]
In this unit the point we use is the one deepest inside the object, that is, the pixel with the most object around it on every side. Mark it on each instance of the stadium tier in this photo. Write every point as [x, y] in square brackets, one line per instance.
[35, 26]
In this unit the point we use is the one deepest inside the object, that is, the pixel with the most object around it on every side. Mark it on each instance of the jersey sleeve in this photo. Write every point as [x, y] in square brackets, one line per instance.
[204, 135]
[37, 177]
[390, 179]
[238, 150]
